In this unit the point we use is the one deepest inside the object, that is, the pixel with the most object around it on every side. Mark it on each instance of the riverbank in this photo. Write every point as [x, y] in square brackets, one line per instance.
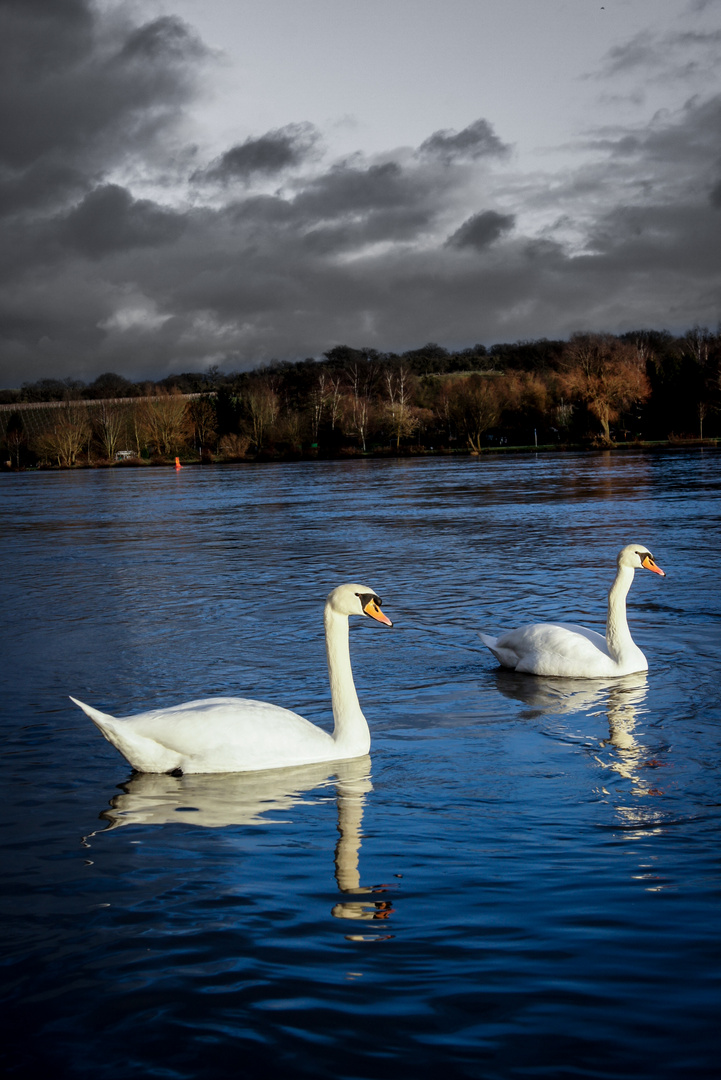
[190, 460]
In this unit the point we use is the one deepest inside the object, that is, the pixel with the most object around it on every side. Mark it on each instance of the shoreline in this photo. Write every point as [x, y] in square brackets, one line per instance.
[269, 458]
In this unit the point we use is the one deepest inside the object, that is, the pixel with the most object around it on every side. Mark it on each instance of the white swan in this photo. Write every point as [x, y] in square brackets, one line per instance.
[221, 735]
[568, 650]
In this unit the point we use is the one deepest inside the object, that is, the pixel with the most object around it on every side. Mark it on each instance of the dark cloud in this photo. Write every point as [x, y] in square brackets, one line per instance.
[97, 278]
[81, 93]
[481, 230]
[349, 188]
[478, 140]
[110, 220]
[272, 153]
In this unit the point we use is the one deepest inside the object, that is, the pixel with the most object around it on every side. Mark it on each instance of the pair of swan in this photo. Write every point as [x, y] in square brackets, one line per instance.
[221, 735]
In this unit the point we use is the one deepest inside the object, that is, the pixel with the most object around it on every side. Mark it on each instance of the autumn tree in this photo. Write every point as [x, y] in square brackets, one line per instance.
[606, 374]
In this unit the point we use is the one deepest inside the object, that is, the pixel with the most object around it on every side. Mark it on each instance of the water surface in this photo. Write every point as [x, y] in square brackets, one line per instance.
[521, 880]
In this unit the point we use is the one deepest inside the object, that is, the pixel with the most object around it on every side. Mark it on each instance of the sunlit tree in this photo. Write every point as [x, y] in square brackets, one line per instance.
[262, 404]
[165, 423]
[68, 436]
[606, 374]
[108, 427]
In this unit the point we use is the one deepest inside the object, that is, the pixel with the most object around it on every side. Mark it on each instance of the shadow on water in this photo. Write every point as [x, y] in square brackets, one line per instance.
[215, 801]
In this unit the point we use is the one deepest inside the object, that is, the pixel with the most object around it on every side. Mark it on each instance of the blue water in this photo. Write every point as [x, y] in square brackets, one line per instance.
[522, 880]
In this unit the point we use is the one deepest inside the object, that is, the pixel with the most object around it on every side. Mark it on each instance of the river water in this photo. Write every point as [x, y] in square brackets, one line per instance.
[522, 880]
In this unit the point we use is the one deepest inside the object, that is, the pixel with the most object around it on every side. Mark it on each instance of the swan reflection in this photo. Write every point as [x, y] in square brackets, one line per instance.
[214, 801]
[622, 700]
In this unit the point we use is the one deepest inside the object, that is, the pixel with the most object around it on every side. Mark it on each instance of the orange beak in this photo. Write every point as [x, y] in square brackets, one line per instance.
[375, 612]
[648, 563]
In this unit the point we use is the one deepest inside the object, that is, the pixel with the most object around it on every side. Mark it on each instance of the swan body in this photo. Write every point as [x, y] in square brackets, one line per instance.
[567, 650]
[228, 734]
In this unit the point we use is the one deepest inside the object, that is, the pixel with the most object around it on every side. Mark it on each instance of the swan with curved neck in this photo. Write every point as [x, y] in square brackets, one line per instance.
[226, 734]
[564, 649]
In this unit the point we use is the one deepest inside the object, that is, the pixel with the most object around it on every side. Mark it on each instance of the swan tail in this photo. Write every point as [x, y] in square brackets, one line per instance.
[98, 717]
[506, 657]
[144, 754]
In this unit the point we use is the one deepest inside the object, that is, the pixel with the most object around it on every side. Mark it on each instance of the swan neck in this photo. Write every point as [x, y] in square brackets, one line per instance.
[351, 731]
[618, 636]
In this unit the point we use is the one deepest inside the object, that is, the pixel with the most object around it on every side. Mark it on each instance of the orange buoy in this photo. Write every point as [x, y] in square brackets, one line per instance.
[177, 463]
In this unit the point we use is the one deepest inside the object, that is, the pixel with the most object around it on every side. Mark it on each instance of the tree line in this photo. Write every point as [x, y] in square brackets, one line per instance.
[592, 389]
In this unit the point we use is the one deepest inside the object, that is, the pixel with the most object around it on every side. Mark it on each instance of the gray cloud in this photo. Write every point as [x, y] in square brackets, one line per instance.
[109, 219]
[96, 278]
[478, 140]
[482, 229]
[272, 153]
[80, 94]
[674, 55]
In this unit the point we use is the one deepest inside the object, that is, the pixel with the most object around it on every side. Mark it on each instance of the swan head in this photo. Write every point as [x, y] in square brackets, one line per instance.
[357, 600]
[638, 557]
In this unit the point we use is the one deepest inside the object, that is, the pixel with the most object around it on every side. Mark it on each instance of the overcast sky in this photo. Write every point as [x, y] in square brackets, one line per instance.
[195, 182]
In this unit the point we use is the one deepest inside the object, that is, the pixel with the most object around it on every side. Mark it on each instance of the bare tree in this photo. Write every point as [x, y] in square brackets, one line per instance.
[108, 427]
[334, 398]
[702, 347]
[318, 399]
[165, 423]
[477, 405]
[402, 416]
[70, 432]
[358, 411]
[202, 415]
[263, 406]
[356, 416]
[234, 446]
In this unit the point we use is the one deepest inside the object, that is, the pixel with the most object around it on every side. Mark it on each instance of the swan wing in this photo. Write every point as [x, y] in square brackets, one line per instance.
[563, 649]
[214, 735]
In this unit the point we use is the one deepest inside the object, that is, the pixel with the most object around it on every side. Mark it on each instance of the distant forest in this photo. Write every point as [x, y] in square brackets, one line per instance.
[592, 390]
